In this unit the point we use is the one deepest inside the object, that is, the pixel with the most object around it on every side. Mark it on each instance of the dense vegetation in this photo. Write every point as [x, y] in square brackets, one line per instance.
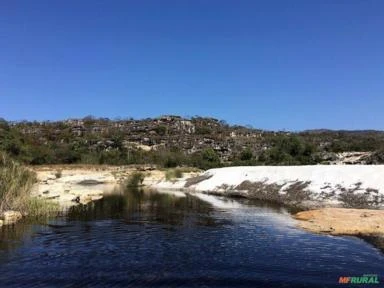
[15, 184]
[172, 141]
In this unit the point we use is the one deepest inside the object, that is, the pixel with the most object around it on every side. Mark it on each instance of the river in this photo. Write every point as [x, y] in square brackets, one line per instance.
[133, 238]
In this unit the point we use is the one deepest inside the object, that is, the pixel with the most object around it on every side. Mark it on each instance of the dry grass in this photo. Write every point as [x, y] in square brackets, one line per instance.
[196, 180]
[36, 207]
[135, 179]
[357, 197]
[172, 174]
[71, 167]
[16, 182]
[294, 195]
[261, 191]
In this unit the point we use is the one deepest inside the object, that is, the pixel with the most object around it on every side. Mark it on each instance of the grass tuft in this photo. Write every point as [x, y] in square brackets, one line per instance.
[135, 179]
[16, 182]
[172, 174]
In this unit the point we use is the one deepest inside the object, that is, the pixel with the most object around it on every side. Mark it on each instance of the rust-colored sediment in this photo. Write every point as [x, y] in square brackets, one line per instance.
[342, 221]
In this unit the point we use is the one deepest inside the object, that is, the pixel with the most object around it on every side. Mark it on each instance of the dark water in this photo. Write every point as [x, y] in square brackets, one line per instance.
[141, 239]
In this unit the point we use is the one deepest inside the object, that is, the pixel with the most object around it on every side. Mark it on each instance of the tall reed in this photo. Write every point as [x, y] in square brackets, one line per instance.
[16, 182]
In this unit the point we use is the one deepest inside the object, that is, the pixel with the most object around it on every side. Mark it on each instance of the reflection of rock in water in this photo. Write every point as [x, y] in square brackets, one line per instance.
[13, 236]
[90, 182]
[377, 241]
[148, 206]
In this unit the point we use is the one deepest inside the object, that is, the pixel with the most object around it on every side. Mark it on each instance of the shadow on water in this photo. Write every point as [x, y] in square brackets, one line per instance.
[142, 206]
[377, 241]
[133, 206]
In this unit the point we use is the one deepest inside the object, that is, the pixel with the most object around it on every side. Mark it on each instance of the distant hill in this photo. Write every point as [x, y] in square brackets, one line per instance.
[172, 140]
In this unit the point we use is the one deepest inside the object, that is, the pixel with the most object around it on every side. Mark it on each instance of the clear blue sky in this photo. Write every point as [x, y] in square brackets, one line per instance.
[271, 64]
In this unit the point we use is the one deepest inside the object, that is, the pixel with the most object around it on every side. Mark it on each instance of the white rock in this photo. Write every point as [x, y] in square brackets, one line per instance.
[11, 216]
[66, 198]
[328, 179]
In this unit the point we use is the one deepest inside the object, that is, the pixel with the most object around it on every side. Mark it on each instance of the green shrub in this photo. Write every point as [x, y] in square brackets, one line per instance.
[246, 154]
[135, 179]
[161, 130]
[203, 130]
[205, 159]
[173, 174]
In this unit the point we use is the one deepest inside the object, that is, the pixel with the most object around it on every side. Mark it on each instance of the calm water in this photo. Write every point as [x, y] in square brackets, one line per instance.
[141, 239]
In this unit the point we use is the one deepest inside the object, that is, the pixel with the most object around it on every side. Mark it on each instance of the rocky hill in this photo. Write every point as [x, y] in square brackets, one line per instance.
[173, 140]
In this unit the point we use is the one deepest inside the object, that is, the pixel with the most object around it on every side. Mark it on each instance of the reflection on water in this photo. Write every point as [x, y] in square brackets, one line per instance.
[13, 236]
[147, 239]
[139, 206]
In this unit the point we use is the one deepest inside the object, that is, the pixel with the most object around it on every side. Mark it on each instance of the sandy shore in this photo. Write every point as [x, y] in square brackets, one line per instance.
[339, 221]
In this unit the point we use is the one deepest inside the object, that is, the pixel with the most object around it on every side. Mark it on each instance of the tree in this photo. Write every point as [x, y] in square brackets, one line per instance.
[161, 130]
[246, 154]
[210, 155]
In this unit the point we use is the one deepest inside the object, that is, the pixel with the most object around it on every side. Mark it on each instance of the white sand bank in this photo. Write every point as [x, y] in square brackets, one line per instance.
[332, 184]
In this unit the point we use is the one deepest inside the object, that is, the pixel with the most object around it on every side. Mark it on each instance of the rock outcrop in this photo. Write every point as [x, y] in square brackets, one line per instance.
[69, 186]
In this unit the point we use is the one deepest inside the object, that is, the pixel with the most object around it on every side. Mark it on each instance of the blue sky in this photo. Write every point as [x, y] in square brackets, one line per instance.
[271, 64]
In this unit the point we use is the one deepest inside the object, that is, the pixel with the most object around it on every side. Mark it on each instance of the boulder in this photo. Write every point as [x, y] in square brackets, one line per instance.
[10, 217]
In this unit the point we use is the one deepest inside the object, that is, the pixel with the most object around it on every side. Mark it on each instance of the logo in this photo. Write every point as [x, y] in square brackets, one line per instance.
[365, 279]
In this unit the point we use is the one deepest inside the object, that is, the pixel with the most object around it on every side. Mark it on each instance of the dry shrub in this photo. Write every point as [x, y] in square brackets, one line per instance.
[196, 180]
[135, 179]
[356, 197]
[294, 195]
[15, 182]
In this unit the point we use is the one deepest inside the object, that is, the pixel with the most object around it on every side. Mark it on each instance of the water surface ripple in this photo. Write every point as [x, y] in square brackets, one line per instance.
[142, 239]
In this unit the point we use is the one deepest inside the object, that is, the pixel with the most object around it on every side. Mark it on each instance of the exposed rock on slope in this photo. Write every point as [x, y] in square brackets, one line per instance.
[125, 141]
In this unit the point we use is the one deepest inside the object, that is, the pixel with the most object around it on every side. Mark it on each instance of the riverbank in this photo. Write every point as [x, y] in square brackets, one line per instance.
[70, 185]
[349, 199]
[341, 221]
[59, 187]
[367, 224]
[16, 182]
[302, 187]
[305, 187]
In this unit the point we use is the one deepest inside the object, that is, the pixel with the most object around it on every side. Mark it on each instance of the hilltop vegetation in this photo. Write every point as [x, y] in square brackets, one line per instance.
[172, 141]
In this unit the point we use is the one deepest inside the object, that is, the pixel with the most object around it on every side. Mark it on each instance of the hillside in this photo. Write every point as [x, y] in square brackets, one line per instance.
[172, 140]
